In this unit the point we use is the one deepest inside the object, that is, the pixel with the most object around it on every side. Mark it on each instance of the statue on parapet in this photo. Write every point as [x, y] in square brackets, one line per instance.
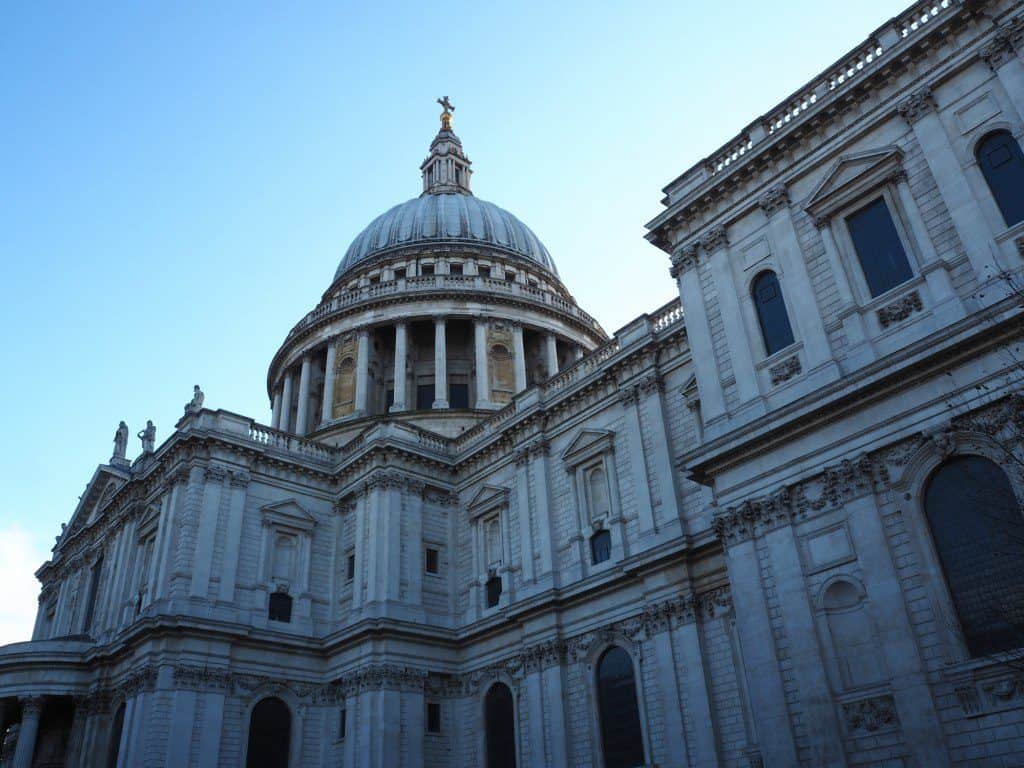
[148, 437]
[195, 405]
[120, 443]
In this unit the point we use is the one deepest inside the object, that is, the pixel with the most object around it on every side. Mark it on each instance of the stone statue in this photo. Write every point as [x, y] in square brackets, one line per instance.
[196, 403]
[120, 442]
[148, 437]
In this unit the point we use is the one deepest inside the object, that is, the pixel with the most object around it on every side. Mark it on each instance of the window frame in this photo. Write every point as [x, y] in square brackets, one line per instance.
[590, 450]
[489, 504]
[759, 270]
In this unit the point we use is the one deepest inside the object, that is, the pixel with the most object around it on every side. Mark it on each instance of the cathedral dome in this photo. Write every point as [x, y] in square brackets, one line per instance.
[455, 218]
[446, 213]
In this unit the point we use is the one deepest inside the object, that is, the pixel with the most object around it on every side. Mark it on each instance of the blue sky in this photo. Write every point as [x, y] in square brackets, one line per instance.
[179, 181]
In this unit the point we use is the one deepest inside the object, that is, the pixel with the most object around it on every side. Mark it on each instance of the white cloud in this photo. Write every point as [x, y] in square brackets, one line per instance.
[21, 554]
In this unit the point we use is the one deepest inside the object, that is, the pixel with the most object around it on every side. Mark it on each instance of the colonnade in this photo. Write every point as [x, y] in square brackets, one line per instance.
[292, 397]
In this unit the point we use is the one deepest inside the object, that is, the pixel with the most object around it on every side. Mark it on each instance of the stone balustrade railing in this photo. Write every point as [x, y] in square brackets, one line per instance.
[291, 444]
[431, 284]
[884, 42]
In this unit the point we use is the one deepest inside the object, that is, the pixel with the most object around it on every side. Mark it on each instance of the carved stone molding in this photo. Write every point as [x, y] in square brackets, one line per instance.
[993, 694]
[785, 370]
[915, 106]
[629, 396]
[714, 239]
[683, 259]
[1000, 49]
[652, 382]
[900, 309]
[775, 199]
[239, 478]
[869, 716]
[215, 473]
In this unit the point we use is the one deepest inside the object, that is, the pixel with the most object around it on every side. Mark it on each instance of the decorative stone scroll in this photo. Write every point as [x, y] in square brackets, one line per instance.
[900, 309]
[915, 106]
[785, 370]
[683, 259]
[1001, 49]
[775, 199]
[984, 697]
[869, 716]
[714, 239]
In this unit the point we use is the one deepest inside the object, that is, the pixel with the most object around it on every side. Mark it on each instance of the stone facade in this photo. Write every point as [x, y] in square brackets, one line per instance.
[468, 487]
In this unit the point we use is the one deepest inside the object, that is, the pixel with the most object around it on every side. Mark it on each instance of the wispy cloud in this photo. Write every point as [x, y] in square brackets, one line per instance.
[21, 554]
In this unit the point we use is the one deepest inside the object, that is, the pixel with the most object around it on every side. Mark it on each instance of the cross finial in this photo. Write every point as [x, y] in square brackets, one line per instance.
[446, 115]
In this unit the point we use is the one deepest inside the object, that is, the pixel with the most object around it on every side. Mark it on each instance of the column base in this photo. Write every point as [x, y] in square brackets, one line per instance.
[440, 405]
[397, 408]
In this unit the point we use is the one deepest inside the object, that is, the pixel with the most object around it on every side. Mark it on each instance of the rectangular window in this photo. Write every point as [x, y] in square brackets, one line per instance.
[878, 246]
[432, 561]
[426, 269]
[341, 723]
[484, 271]
[350, 568]
[455, 269]
[510, 275]
[375, 280]
[400, 273]
[433, 717]
[458, 395]
[389, 398]
[425, 396]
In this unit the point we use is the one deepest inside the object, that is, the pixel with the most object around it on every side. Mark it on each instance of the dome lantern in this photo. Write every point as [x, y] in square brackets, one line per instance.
[446, 170]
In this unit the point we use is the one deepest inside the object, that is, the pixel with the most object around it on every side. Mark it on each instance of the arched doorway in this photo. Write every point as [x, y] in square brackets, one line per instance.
[621, 738]
[114, 745]
[500, 727]
[270, 728]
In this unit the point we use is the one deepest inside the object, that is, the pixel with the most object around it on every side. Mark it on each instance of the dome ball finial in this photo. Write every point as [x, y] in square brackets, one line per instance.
[446, 115]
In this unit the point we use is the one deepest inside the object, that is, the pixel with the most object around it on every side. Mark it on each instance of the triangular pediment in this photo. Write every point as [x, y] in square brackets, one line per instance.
[589, 442]
[488, 497]
[100, 489]
[851, 175]
[289, 513]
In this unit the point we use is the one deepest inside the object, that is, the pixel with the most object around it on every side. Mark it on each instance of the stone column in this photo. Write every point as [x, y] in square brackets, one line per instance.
[483, 383]
[302, 411]
[285, 422]
[519, 356]
[650, 389]
[553, 684]
[362, 371]
[401, 354]
[523, 512]
[209, 512]
[327, 409]
[698, 697]
[947, 303]
[577, 353]
[919, 111]
[1003, 58]
[237, 483]
[440, 364]
[275, 413]
[31, 710]
[545, 523]
[799, 298]
[858, 346]
[767, 696]
[736, 339]
[629, 398]
[535, 707]
[551, 353]
[76, 737]
[672, 707]
[698, 331]
[414, 532]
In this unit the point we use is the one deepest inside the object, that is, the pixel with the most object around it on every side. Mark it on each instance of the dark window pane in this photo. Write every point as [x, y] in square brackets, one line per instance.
[978, 530]
[424, 396]
[350, 568]
[500, 727]
[458, 395]
[455, 269]
[600, 547]
[771, 312]
[485, 271]
[400, 274]
[432, 564]
[493, 591]
[280, 607]
[270, 727]
[433, 717]
[620, 714]
[389, 399]
[1002, 163]
[341, 723]
[878, 247]
[427, 269]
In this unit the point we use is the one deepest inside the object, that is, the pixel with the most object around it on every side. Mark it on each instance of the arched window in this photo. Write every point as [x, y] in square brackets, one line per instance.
[114, 745]
[270, 729]
[771, 312]
[621, 738]
[600, 547]
[1002, 164]
[976, 524]
[500, 727]
[279, 607]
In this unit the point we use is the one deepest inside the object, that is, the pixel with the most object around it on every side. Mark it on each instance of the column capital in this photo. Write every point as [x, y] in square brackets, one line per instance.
[32, 706]
[1002, 48]
[918, 104]
[684, 258]
[774, 199]
[714, 239]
